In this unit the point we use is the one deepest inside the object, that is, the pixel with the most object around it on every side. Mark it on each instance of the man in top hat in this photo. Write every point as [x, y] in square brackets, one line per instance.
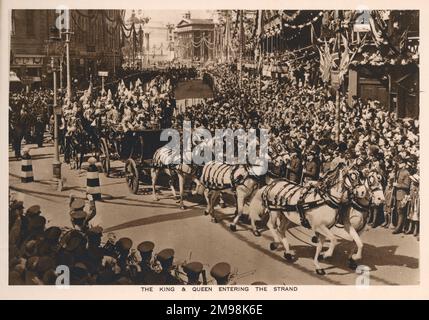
[401, 193]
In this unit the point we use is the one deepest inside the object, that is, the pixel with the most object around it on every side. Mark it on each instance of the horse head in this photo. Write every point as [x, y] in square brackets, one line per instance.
[355, 183]
[374, 185]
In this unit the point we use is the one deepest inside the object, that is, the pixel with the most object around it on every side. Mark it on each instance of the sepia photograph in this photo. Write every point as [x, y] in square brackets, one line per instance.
[238, 148]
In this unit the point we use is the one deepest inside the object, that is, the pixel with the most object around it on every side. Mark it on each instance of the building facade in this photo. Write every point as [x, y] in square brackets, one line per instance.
[194, 39]
[95, 44]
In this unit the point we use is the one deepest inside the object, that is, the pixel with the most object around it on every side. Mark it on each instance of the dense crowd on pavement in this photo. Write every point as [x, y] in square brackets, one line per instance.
[299, 113]
[300, 116]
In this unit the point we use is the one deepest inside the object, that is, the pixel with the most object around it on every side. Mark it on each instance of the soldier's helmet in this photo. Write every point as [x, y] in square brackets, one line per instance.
[193, 271]
[221, 272]
[146, 248]
[165, 258]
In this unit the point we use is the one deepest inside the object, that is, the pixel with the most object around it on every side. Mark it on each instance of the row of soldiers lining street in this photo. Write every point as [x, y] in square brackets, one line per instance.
[28, 117]
[83, 255]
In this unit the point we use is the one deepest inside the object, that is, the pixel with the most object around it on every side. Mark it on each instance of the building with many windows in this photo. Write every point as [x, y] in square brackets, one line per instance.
[95, 44]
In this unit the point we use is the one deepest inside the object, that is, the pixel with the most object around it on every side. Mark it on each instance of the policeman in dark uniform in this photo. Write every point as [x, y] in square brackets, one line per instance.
[39, 130]
[165, 258]
[123, 247]
[193, 271]
[401, 193]
[95, 252]
[295, 167]
[311, 169]
[17, 129]
[146, 275]
[81, 219]
[49, 246]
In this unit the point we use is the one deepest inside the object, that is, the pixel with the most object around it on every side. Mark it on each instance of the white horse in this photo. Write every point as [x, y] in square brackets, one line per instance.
[219, 177]
[321, 206]
[164, 159]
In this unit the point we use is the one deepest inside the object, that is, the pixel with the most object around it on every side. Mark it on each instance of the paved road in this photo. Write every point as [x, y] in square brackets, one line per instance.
[192, 89]
[392, 259]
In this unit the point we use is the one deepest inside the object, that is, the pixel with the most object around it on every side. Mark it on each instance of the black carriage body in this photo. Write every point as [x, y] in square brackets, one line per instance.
[140, 145]
[135, 149]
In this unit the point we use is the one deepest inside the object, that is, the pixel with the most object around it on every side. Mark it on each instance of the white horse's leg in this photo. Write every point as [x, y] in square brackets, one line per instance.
[171, 183]
[359, 244]
[221, 201]
[213, 199]
[319, 247]
[356, 238]
[207, 195]
[332, 241]
[198, 185]
[284, 223]
[256, 209]
[240, 197]
[154, 176]
[272, 225]
[181, 190]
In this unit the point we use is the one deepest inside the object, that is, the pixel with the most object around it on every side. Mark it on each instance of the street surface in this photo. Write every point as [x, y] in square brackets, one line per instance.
[393, 259]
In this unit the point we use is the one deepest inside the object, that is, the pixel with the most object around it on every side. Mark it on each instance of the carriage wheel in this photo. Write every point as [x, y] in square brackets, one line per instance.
[132, 176]
[105, 156]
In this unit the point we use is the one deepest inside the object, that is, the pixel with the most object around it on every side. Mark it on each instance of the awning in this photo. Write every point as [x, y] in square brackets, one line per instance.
[13, 77]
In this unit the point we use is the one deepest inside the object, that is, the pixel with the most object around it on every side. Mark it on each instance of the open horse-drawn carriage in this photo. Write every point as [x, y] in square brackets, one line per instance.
[135, 149]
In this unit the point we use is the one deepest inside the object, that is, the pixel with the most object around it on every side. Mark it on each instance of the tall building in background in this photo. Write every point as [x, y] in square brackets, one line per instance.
[194, 39]
[95, 44]
[161, 43]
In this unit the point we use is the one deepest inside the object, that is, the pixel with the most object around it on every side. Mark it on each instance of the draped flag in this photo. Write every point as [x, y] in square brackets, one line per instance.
[326, 62]
[377, 34]
[345, 59]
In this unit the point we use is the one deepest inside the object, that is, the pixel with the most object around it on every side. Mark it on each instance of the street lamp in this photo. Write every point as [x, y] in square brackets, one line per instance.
[54, 43]
[56, 164]
[68, 33]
